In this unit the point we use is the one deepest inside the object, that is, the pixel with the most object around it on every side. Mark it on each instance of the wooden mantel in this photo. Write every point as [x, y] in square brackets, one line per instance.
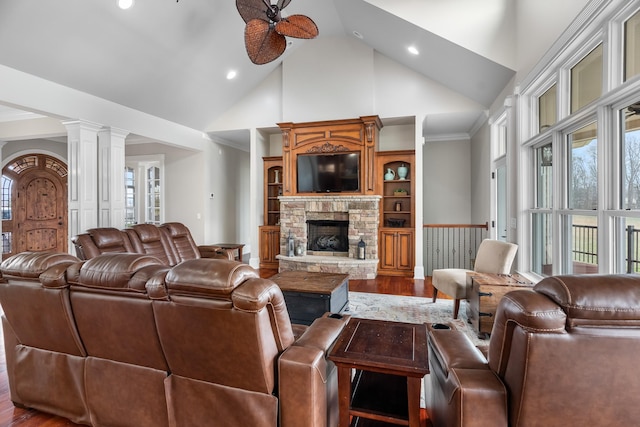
[350, 135]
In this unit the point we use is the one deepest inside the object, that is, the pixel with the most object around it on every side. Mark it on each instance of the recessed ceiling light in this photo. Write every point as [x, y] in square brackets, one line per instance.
[413, 50]
[357, 34]
[125, 4]
[231, 75]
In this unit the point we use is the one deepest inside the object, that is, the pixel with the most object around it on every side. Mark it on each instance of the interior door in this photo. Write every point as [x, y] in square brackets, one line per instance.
[34, 199]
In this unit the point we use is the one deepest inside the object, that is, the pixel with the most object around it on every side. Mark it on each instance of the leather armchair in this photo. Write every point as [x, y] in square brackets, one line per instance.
[563, 354]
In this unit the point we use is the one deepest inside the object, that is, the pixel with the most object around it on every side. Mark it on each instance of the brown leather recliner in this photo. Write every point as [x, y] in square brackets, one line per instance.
[563, 354]
[151, 240]
[125, 366]
[101, 240]
[227, 338]
[45, 355]
[185, 247]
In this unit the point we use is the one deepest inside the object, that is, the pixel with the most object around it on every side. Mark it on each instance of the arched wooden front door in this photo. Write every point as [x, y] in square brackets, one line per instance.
[34, 205]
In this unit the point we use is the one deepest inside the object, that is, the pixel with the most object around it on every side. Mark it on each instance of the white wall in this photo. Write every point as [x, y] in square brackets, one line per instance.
[397, 137]
[480, 175]
[447, 182]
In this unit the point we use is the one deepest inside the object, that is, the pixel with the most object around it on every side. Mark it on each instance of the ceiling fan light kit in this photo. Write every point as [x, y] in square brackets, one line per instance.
[266, 29]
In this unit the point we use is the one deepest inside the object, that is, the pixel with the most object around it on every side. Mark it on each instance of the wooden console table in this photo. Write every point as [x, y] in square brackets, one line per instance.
[390, 359]
[485, 294]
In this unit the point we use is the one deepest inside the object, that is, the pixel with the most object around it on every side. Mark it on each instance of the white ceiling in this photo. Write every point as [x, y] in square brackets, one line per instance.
[170, 59]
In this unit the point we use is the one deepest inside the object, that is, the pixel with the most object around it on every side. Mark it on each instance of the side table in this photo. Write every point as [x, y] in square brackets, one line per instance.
[232, 246]
[485, 294]
[390, 360]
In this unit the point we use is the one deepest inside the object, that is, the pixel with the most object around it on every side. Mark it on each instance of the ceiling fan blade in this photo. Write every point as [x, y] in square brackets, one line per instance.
[251, 9]
[283, 3]
[263, 43]
[298, 26]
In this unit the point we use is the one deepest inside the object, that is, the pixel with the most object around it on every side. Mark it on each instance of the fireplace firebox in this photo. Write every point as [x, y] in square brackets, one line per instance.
[327, 236]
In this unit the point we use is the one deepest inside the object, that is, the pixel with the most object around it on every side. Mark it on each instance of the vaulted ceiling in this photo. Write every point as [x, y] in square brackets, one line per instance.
[170, 59]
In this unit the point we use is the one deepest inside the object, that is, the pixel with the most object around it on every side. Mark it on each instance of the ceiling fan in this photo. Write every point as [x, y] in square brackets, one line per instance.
[264, 34]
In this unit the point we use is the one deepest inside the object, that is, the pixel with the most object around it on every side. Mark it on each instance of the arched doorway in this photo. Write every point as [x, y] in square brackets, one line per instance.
[34, 205]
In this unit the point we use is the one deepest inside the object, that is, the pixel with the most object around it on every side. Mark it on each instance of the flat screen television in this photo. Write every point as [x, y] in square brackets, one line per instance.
[324, 173]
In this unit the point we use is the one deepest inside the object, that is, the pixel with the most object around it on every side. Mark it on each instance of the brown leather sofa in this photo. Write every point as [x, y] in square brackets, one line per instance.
[563, 354]
[170, 242]
[122, 339]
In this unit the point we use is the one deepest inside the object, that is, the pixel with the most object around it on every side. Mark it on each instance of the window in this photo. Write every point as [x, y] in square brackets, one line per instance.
[632, 47]
[583, 168]
[7, 212]
[7, 184]
[542, 231]
[586, 80]
[144, 193]
[630, 157]
[130, 217]
[153, 196]
[547, 110]
[584, 206]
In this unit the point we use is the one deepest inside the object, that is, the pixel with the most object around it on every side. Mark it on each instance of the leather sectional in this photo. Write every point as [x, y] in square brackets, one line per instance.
[170, 242]
[123, 339]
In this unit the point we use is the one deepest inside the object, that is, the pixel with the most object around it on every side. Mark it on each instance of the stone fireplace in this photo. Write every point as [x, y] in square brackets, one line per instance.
[329, 229]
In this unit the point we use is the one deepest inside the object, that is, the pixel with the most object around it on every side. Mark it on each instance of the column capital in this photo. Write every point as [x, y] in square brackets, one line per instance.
[83, 124]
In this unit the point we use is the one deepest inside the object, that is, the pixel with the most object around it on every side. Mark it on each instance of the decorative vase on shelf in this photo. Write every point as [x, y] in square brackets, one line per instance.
[403, 171]
[389, 175]
[276, 178]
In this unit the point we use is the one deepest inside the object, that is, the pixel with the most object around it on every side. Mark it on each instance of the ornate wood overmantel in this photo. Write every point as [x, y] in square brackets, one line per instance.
[351, 135]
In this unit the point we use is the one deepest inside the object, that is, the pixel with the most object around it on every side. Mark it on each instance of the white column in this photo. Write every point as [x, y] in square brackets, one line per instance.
[111, 164]
[82, 156]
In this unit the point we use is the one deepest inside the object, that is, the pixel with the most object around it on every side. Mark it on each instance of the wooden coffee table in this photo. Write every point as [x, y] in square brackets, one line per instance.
[390, 360]
[309, 295]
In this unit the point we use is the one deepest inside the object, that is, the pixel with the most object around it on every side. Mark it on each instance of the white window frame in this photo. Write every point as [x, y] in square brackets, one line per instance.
[587, 34]
[140, 164]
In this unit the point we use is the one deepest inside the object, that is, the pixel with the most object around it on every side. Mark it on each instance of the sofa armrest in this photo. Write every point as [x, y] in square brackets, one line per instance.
[468, 398]
[307, 380]
[453, 349]
[461, 390]
[210, 251]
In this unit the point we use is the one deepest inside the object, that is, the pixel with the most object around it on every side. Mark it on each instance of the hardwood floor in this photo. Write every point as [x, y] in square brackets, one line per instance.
[13, 416]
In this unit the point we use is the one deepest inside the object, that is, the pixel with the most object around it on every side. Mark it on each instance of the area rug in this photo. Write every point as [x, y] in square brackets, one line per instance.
[412, 310]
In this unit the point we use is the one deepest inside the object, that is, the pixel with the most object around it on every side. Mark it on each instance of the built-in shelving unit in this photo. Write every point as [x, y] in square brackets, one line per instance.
[270, 231]
[397, 219]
